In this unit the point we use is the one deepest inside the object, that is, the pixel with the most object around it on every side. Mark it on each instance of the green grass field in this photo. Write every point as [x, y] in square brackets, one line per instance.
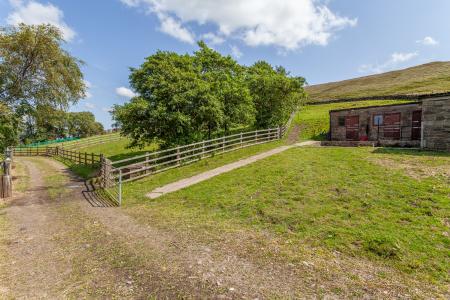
[117, 150]
[386, 205]
[423, 79]
[314, 119]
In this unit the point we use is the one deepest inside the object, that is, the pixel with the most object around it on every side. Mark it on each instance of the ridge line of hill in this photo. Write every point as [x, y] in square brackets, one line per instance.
[413, 97]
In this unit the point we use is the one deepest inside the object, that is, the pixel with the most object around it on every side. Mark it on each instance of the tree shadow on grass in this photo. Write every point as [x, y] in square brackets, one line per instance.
[411, 152]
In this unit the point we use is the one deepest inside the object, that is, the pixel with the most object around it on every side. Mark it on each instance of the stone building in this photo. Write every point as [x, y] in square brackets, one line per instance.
[424, 123]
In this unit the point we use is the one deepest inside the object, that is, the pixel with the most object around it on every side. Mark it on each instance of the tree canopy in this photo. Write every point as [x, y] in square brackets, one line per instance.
[35, 70]
[186, 98]
[39, 80]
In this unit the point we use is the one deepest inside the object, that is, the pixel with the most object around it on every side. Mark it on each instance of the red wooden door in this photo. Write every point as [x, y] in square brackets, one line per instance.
[391, 128]
[352, 128]
[416, 131]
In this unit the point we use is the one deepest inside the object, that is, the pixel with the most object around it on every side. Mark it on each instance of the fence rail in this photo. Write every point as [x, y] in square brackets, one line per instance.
[155, 162]
[83, 143]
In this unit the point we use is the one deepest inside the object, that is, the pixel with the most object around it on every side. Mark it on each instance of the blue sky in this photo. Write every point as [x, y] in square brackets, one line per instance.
[323, 41]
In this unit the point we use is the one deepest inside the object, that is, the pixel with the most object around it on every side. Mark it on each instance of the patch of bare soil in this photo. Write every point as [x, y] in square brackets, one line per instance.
[68, 248]
[414, 168]
[293, 135]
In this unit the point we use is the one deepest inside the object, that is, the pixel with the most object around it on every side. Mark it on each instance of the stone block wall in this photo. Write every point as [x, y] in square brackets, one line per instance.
[366, 121]
[436, 123]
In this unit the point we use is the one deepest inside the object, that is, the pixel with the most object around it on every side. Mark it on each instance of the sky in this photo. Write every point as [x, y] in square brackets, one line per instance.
[321, 40]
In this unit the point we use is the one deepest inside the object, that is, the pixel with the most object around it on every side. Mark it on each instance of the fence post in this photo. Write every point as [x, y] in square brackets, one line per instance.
[147, 158]
[7, 166]
[279, 132]
[256, 135]
[241, 141]
[9, 153]
[85, 158]
[178, 156]
[6, 180]
[120, 187]
[223, 144]
[92, 159]
[203, 150]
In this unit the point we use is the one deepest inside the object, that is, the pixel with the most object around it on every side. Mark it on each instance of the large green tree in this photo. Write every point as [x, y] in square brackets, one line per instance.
[275, 93]
[184, 98]
[36, 72]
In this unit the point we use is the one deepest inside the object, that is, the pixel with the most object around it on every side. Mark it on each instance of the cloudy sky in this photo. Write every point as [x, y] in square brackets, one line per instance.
[322, 40]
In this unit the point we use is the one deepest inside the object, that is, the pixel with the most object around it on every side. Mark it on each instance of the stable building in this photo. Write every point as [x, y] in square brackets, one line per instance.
[425, 123]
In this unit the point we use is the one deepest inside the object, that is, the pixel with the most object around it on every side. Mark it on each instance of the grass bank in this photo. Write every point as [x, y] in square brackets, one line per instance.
[389, 206]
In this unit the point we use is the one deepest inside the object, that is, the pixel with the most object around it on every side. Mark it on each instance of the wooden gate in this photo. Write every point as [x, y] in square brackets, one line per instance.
[416, 131]
[352, 128]
[391, 130]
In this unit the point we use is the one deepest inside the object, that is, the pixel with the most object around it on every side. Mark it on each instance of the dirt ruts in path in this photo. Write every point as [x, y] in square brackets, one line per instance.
[294, 134]
[35, 264]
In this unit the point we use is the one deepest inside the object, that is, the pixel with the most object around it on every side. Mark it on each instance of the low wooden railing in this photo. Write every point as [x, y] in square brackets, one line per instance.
[83, 143]
[155, 162]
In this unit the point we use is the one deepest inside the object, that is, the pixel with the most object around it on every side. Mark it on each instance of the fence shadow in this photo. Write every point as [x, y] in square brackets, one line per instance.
[97, 197]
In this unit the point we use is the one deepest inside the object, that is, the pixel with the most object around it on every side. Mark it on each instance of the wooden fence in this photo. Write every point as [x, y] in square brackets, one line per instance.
[71, 155]
[112, 174]
[83, 143]
[155, 162]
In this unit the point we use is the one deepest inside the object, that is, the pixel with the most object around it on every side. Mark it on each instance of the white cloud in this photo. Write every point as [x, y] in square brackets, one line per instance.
[428, 41]
[395, 59]
[289, 24]
[402, 57]
[125, 92]
[174, 28]
[34, 13]
[106, 109]
[236, 52]
[213, 39]
[89, 105]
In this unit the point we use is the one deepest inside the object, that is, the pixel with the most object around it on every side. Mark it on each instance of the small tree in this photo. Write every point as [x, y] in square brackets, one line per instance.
[83, 124]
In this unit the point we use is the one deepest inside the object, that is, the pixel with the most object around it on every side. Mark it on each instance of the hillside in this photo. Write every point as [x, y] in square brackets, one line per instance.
[423, 79]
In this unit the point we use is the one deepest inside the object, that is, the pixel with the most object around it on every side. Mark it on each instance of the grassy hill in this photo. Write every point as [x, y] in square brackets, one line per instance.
[423, 79]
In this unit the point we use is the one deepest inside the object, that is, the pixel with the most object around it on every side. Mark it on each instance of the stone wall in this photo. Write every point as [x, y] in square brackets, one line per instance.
[366, 121]
[436, 123]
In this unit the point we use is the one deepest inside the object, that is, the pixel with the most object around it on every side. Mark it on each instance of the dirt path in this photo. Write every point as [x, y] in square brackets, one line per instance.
[183, 183]
[294, 134]
[36, 265]
[61, 246]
